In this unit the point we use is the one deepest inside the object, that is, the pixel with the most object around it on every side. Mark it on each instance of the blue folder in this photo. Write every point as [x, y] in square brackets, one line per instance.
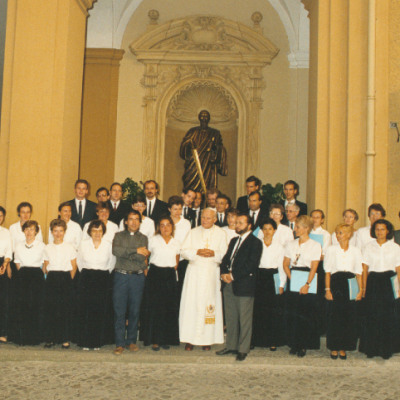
[299, 279]
[317, 237]
[395, 286]
[255, 232]
[353, 288]
[277, 281]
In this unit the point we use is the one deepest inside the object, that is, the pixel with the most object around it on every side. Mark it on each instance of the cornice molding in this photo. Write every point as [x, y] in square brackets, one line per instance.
[85, 5]
[103, 56]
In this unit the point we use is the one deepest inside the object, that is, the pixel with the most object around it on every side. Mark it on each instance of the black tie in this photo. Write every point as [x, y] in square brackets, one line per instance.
[236, 250]
[253, 220]
[80, 210]
[220, 219]
[186, 212]
[149, 213]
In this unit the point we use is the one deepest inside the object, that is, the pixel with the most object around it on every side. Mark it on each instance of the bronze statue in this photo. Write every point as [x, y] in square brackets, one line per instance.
[211, 153]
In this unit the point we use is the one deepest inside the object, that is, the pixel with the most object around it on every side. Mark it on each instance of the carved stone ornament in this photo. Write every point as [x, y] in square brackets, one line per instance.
[203, 62]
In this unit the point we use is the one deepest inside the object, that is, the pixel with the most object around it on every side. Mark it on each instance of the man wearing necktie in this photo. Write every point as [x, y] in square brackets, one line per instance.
[292, 190]
[188, 196]
[292, 212]
[83, 210]
[222, 203]
[257, 214]
[155, 208]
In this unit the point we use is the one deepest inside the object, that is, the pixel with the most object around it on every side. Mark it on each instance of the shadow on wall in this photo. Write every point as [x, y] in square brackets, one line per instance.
[3, 23]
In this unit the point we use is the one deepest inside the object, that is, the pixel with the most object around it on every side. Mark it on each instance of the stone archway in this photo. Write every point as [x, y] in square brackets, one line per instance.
[202, 48]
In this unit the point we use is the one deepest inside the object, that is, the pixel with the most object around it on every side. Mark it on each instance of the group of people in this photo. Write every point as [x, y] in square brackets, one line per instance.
[268, 275]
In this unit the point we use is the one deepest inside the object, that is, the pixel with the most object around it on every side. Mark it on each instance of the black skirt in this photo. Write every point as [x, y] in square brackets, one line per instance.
[380, 338]
[268, 326]
[13, 331]
[321, 312]
[58, 307]
[160, 319]
[341, 315]
[30, 301]
[3, 301]
[93, 307]
[301, 319]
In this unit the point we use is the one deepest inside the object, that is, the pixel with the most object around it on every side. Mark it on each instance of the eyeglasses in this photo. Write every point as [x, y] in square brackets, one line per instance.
[139, 206]
[274, 214]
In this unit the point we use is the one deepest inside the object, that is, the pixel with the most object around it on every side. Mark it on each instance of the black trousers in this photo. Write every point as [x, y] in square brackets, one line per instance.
[3, 301]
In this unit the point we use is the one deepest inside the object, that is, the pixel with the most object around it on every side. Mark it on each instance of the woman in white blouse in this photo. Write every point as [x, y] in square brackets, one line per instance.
[147, 224]
[73, 233]
[342, 262]
[268, 328]
[381, 263]
[28, 259]
[95, 262]
[302, 254]
[160, 321]
[103, 210]
[60, 267]
[350, 217]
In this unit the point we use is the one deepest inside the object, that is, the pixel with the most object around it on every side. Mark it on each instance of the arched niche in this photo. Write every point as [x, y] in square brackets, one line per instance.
[202, 48]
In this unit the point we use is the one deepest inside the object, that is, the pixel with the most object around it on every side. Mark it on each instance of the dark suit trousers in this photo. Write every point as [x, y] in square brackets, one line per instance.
[239, 320]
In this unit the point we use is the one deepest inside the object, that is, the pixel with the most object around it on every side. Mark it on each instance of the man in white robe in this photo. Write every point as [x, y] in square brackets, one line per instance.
[200, 316]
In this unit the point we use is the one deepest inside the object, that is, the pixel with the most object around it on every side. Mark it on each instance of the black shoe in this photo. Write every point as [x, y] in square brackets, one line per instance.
[252, 347]
[343, 357]
[370, 356]
[155, 347]
[301, 353]
[334, 357]
[165, 347]
[48, 345]
[241, 356]
[225, 351]
[272, 348]
[292, 352]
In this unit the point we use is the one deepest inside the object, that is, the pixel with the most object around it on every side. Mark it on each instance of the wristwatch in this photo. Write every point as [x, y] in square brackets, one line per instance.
[309, 284]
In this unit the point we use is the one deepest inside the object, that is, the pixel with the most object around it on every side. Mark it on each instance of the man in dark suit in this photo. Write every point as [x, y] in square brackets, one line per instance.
[292, 190]
[222, 203]
[239, 271]
[83, 210]
[155, 208]
[188, 196]
[257, 213]
[253, 184]
[292, 212]
[118, 208]
[197, 209]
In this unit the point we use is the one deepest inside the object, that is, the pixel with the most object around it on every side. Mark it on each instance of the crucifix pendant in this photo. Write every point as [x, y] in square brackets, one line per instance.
[207, 246]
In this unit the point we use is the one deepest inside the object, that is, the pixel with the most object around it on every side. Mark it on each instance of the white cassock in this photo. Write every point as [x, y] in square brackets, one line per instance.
[200, 315]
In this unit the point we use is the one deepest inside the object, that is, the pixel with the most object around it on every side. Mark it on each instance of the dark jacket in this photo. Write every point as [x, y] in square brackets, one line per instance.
[121, 211]
[303, 210]
[160, 209]
[88, 215]
[244, 266]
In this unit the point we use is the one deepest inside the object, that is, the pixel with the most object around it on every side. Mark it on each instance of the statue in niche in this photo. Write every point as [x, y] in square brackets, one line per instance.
[212, 157]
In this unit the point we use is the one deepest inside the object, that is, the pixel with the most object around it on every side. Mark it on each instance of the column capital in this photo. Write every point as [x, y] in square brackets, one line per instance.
[309, 5]
[85, 5]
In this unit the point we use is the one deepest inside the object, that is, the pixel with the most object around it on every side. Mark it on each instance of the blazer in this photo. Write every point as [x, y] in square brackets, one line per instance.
[303, 209]
[194, 225]
[263, 214]
[397, 237]
[224, 223]
[244, 266]
[242, 205]
[88, 215]
[121, 211]
[160, 209]
[191, 216]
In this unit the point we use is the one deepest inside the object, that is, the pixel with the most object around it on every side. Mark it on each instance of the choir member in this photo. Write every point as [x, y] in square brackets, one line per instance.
[342, 262]
[103, 212]
[161, 311]
[60, 267]
[283, 233]
[231, 216]
[5, 258]
[95, 262]
[147, 224]
[318, 217]
[102, 194]
[28, 259]
[381, 262]
[350, 217]
[268, 326]
[302, 254]
[73, 233]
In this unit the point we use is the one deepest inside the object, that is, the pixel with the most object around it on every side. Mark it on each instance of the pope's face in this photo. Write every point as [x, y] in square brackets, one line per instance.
[208, 219]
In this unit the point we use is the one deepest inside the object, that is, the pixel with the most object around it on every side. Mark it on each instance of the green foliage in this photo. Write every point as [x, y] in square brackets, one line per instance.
[131, 189]
[271, 194]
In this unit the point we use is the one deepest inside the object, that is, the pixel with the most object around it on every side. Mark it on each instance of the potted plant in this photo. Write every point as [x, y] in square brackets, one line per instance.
[131, 189]
[271, 194]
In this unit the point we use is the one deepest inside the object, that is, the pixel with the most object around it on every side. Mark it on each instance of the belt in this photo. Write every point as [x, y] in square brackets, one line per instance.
[129, 272]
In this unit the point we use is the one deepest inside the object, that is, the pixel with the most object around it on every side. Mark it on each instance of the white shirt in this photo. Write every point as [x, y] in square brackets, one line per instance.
[283, 235]
[5, 236]
[5, 249]
[146, 226]
[91, 258]
[254, 214]
[291, 202]
[338, 260]
[304, 253]
[73, 234]
[381, 258]
[230, 232]
[111, 230]
[221, 217]
[182, 228]
[163, 254]
[240, 242]
[83, 206]
[352, 241]
[363, 237]
[153, 203]
[115, 204]
[326, 236]
[272, 258]
[29, 257]
[59, 256]
[18, 236]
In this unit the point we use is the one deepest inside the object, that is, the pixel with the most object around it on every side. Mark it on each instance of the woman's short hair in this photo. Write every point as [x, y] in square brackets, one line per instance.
[318, 210]
[24, 204]
[389, 227]
[103, 205]
[58, 222]
[165, 218]
[3, 210]
[345, 227]
[29, 224]
[175, 201]
[65, 204]
[305, 221]
[269, 221]
[139, 199]
[377, 207]
[350, 210]
[96, 224]
[232, 211]
[277, 207]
